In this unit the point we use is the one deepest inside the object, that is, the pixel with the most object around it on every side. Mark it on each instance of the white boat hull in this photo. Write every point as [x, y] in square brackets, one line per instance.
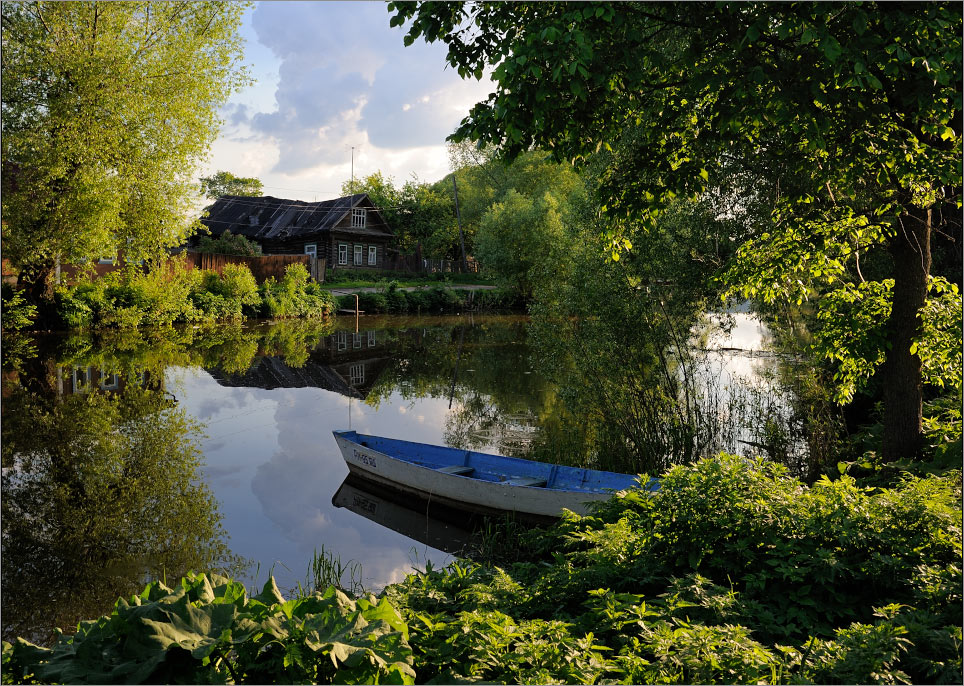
[488, 497]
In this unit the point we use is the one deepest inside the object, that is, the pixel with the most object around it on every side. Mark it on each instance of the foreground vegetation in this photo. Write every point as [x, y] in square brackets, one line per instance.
[733, 573]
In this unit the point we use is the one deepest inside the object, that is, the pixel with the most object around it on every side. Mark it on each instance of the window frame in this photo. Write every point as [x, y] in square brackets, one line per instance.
[356, 374]
[314, 249]
[109, 381]
[359, 255]
[359, 218]
[343, 250]
[372, 255]
[84, 378]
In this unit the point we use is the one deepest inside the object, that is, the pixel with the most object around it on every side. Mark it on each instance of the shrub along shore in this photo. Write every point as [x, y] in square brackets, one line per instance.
[734, 572]
[173, 295]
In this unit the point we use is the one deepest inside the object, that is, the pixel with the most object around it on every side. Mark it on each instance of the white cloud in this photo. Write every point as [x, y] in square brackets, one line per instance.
[333, 76]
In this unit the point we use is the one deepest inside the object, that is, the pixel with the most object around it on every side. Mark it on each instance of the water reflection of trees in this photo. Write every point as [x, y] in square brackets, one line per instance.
[101, 493]
[483, 368]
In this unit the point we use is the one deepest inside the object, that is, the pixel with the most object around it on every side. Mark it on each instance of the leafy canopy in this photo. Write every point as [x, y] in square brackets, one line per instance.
[225, 183]
[108, 107]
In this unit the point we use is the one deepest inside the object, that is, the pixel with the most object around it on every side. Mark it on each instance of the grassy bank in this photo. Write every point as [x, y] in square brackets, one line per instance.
[435, 299]
[361, 278]
[732, 573]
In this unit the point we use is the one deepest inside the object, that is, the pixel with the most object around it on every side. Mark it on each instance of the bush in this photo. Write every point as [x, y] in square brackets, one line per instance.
[371, 302]
[732, 572]
[229, 244]
[295, 296]
[171, 295]
[73, 308]
[17, 312]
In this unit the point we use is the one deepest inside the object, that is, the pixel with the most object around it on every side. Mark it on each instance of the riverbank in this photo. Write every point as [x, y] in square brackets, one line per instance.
[428, 299]
[171, 295]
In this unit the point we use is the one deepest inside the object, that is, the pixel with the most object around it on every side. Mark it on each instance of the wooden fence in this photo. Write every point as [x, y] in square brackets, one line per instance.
[261, 267]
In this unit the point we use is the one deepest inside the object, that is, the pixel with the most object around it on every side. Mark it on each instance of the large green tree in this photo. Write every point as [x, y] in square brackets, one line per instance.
[855, 107]
[225, 183]
[421, 215]
[108, 108]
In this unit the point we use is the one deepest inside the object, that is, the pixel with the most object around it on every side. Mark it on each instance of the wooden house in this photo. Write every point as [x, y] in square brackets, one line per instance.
[347, 232]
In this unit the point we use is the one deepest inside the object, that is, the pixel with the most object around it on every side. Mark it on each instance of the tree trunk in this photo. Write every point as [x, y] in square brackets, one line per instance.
[911, 252]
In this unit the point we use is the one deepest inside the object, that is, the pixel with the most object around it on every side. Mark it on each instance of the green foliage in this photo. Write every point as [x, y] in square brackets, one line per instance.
[418, 214]
[516, 236]
[617, 337]
[362, 278]
[225, 183]
[107, 110]
[851, 334]
[229, 244]
[434, 299]
[939, 344]
[207, 630]
[171, 295]
[295, 296]
[853, 160]
[17, 312]
[731, 573]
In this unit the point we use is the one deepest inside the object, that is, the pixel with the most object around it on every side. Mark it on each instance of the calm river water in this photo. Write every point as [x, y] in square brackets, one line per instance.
[139, 455]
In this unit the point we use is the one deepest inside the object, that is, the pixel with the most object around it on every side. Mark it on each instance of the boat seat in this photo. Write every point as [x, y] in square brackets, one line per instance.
[457, 469]
[525, 481]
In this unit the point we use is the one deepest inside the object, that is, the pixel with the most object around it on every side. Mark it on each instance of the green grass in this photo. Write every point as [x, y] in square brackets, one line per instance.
[348, 278]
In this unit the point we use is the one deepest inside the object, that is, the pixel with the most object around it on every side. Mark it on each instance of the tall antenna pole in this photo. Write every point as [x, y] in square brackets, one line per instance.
[353, 169]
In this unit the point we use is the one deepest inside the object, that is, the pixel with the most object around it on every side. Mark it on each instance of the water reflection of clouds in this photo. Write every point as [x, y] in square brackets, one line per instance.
[280, 442]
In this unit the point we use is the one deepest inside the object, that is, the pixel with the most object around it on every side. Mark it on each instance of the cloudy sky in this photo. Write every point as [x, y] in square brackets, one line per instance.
[330, 76]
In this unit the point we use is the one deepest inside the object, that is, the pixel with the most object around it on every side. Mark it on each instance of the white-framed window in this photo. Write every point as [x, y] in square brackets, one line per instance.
[356, 340]
[357, 374]
[358, 216]
[109, 381]
[311, 249]
[342, 341]
[81, 379]
[359, 252]
[371, 338]
[342, 253]
[372, 255]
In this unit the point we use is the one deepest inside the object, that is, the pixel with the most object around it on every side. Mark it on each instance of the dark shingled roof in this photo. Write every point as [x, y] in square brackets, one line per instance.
[268, 218]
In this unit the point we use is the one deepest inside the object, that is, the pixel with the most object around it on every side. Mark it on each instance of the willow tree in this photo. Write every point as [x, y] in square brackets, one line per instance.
[108, 108]
[856, 105]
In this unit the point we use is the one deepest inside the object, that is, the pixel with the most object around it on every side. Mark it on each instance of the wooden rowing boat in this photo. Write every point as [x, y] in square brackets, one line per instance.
[489, 484]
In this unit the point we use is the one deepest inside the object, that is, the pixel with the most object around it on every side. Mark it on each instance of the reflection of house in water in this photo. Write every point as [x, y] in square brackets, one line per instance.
[345, 362]
[80, 379]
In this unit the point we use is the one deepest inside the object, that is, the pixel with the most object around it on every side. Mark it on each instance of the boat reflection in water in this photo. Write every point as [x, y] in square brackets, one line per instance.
[442, 527]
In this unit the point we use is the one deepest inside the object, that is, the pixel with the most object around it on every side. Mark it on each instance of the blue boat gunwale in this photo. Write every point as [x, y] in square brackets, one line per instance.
[423, 455]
